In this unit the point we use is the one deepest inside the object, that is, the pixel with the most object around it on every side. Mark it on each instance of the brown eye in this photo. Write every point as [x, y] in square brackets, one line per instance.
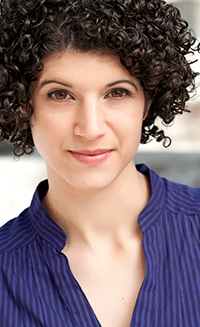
[119, 93]
[59, 95]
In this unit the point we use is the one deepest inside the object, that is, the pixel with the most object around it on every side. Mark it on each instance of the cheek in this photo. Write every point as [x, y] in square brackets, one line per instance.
[131, 123]
[48, 132]
[130, 131]
[50, 125]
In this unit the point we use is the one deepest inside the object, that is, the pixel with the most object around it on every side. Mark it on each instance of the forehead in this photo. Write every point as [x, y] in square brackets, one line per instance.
[71, 59]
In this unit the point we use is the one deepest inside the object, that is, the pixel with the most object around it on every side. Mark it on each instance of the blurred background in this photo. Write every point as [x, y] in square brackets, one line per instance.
[180, 162]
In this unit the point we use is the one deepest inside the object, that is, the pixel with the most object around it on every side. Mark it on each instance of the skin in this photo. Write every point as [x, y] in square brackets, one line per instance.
[97, 206]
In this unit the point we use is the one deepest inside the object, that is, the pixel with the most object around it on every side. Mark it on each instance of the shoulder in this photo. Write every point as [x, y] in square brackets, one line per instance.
[172, 206]
[16, 233]
[21, 230]
[169, 200]
[181, 198]
[172, 196]
[169, 195]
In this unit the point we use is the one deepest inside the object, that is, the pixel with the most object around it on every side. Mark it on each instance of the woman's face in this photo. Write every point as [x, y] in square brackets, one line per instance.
[86, 101]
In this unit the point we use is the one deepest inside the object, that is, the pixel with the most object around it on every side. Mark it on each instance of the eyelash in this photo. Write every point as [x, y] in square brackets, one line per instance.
[50, 94]
[124, 91]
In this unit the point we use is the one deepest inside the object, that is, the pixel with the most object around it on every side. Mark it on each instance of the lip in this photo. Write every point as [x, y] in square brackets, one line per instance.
[96, 159]
[92, 152]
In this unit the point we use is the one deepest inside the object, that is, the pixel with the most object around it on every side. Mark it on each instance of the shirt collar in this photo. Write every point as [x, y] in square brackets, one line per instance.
[152, 212]
[52, 233]
[44, 225]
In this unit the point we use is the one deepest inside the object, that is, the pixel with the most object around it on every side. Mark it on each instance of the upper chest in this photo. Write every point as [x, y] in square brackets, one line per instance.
[111, 286]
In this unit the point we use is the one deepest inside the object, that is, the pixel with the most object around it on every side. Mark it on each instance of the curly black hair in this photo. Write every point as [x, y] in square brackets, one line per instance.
[149, 37]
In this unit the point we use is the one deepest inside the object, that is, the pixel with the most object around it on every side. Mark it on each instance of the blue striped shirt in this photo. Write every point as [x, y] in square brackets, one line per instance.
[37, 287]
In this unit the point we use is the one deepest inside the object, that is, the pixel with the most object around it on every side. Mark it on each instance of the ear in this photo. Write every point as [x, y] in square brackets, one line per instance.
[146, 108]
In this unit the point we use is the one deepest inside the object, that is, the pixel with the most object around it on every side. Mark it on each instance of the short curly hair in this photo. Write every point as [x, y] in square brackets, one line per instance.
[149, 37]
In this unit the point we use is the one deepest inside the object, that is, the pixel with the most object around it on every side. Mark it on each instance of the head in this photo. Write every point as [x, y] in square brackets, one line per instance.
[149, 38]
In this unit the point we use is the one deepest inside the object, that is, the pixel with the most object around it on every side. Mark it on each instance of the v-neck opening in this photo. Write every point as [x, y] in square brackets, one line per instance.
[76, 282]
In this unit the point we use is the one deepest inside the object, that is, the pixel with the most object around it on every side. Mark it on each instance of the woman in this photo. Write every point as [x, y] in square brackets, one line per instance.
[103, 243]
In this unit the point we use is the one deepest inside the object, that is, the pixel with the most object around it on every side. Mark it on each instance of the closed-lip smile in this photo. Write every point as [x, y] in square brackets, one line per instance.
[92, 153]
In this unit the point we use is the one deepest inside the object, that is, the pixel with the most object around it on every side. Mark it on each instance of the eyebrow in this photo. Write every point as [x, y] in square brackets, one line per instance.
[45, 82]
[123, 81]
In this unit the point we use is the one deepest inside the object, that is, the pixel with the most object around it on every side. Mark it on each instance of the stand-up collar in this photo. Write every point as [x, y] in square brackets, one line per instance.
[52, 233]
[151, 213]
[44, 225]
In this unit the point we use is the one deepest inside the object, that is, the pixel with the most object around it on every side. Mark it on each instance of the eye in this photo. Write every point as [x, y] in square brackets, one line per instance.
[59, 95]
[119, 93]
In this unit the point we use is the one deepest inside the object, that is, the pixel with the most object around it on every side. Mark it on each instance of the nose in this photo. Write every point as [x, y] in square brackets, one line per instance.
[90, 120]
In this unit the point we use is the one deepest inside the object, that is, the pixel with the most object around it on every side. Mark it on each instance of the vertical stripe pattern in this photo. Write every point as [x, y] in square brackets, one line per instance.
[38, 289]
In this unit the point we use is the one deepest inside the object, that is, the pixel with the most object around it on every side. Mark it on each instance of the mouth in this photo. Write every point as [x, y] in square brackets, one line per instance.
[92, 153]
[92, 159]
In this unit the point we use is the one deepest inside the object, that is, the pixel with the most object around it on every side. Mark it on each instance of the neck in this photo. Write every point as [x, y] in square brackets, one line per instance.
[110, 214]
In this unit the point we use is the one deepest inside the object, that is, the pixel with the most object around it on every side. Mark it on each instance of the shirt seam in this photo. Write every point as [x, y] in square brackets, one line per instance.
[169, 211]
[18, 247]
[182, 212]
